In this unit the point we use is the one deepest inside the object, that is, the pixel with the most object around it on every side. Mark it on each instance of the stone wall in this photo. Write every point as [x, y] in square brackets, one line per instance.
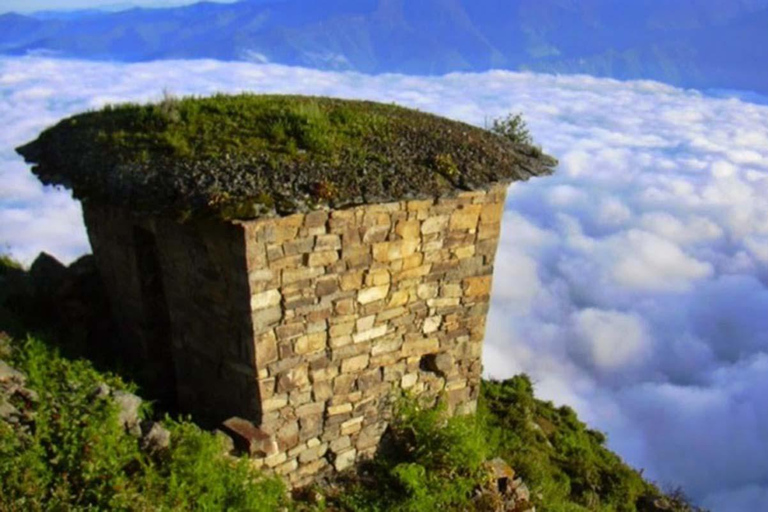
[348, 305]
[305, 324]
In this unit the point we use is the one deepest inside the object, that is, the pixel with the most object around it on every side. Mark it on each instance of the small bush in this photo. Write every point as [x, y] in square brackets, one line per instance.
[431, 460]
[512, 128]
[8, 262]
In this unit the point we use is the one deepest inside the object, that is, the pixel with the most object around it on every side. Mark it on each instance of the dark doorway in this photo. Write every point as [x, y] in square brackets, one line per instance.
[158, 369]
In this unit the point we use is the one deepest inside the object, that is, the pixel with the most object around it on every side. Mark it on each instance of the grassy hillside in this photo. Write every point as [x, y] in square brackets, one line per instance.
[66, 448]
[74, 454]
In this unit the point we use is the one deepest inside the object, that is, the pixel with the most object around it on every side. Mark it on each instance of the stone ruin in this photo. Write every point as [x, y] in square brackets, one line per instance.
[295, 327]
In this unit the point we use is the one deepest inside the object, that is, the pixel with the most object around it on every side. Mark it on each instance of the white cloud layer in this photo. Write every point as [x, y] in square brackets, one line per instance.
[631, 285]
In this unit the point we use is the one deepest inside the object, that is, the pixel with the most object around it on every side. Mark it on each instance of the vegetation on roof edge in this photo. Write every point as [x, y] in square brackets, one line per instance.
[247, 155]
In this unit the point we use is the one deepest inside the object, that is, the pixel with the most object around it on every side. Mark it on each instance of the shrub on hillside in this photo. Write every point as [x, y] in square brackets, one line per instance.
[429, 460]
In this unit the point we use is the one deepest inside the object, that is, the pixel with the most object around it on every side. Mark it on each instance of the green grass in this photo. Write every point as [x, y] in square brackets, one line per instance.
[202, 128]
[77, 456]
[562, 460]
[247, 155]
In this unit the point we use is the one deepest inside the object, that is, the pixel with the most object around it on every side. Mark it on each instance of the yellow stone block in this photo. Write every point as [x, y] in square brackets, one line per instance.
[266, 348]
[408, 229]
[323, 258]
[310, 343]
[412, 273]
[491, 213]
[413, 261]
[368, 295]
[274, 403]
[352, 280]
[414, 206]
[465, 217]
[409, 380]
[265, 299]
[352, 426]
[427, 290]
[365, 323]
[399, 298]
[477, 286]
[431, 324]
[354, 364]
[377, 277]
[333, 410]
[370, 334]
[324, 374]
[387, 251]
[464, 252]
[342, 329]
[434, 224]
[420, 347]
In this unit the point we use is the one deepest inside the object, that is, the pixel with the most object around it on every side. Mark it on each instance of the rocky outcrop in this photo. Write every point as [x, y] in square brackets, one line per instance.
[67, 300]
[502, 492]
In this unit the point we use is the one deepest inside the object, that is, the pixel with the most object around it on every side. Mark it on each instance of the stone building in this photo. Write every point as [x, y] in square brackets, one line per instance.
[293, 284]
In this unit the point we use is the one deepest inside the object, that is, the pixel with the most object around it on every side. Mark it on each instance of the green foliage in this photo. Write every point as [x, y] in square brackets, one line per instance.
[566, 465]
[436, 440]
[512, 128]
[445, 165]
[223, 125]
[7, 262]
[431, 460]
[196, 476]
[77, 456]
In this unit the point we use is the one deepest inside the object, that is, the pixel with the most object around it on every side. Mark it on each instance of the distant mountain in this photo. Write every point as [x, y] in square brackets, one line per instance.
[695, 43]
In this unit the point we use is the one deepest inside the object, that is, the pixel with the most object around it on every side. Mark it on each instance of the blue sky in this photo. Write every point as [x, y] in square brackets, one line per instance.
[630, 285]
[61, 5]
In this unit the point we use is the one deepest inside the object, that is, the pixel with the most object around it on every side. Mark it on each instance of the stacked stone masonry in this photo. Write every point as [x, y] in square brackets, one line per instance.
[306, 324]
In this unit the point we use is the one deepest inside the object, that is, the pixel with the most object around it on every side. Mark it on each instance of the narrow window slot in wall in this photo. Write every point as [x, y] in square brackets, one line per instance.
[157, 322]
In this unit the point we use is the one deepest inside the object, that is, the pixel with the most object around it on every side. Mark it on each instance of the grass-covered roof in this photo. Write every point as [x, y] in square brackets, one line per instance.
[248, 156]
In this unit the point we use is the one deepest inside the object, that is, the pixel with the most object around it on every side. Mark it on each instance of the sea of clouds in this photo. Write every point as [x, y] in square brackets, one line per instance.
[632, 285]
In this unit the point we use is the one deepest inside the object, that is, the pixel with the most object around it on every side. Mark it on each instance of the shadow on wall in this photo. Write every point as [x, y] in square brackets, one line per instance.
[180, 301]
[67, 307]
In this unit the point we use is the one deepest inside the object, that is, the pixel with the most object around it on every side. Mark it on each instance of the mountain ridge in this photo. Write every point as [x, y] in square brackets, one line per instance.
[698, 43]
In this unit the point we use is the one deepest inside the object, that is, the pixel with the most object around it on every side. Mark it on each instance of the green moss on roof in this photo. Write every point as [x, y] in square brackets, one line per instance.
[249, 155]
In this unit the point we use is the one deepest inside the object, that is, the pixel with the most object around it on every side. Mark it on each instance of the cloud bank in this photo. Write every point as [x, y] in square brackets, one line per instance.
[632, 285]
